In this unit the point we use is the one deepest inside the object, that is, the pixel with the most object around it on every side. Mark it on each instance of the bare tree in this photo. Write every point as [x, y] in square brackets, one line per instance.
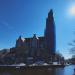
[72, 49]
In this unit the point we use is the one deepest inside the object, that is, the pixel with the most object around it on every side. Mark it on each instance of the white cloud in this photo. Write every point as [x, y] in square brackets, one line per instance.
[8, 26]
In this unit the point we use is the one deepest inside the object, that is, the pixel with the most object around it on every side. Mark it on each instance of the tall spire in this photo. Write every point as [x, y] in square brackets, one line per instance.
[50, 33]
[50, 14]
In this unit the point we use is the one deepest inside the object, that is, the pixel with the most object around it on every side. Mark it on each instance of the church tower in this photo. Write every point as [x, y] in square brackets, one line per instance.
[49, 35]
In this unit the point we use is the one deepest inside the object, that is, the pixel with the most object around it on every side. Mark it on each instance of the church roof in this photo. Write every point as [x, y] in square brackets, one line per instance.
[20, 38]
[41, 38]
[28, 39]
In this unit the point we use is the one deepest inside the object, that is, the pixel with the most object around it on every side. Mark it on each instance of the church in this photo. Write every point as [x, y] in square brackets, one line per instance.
[44, 46]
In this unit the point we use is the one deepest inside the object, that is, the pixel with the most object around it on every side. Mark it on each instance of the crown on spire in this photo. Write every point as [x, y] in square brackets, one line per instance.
[50, 13]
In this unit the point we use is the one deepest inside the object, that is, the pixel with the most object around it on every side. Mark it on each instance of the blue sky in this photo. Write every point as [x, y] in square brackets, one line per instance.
[26, 17]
